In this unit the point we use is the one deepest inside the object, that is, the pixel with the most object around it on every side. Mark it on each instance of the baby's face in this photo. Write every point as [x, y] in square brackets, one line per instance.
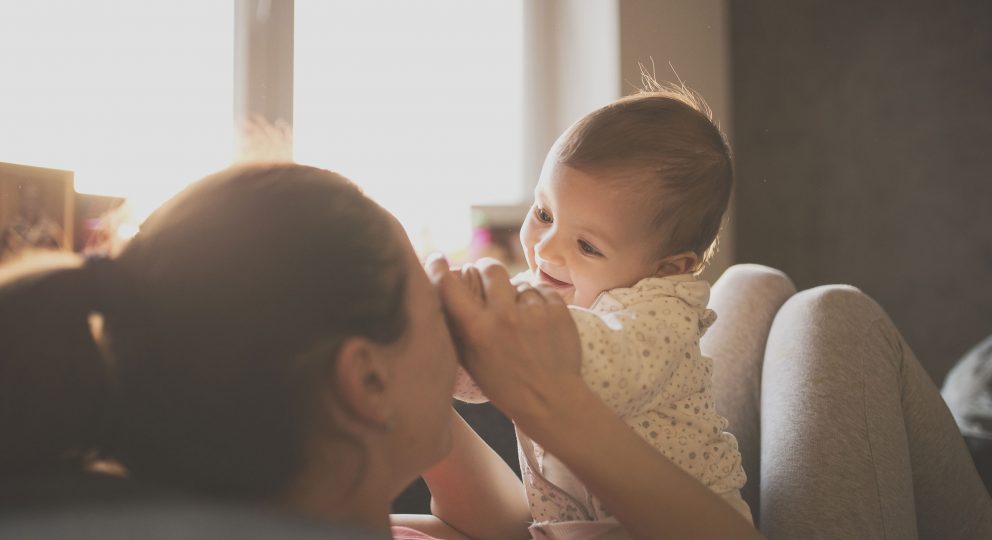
[584, 236]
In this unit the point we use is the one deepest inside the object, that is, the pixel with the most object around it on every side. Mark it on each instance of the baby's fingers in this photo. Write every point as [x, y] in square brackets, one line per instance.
[436, 267]
[460, 304]
[496, 284]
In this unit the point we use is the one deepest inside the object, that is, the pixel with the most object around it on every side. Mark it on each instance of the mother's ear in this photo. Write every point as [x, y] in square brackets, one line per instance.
[681, 263]
[362, 383]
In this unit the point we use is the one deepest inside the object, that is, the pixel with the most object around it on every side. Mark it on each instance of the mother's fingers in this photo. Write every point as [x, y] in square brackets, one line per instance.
[473, 280]
[527, 294]
[549, 294]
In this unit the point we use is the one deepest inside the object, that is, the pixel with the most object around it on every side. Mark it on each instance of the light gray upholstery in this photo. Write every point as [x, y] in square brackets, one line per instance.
[746, 299]
[843, 434]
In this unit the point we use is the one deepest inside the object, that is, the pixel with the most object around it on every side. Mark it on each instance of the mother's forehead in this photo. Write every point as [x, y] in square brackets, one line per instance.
[414, 269]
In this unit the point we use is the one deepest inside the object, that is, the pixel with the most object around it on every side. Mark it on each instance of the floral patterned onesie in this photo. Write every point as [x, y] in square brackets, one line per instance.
[641, 356]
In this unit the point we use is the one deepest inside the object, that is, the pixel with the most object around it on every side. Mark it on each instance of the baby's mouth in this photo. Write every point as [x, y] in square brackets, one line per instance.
[556, 283]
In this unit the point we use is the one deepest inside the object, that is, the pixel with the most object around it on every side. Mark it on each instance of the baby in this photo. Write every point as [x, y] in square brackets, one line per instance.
[626, 213]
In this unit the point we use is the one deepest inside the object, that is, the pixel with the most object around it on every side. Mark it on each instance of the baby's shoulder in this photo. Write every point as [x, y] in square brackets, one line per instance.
[650, 314]
[655, 302]
[684, 291]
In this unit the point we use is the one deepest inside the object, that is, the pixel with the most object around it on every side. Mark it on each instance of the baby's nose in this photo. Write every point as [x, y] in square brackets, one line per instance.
[548, 255]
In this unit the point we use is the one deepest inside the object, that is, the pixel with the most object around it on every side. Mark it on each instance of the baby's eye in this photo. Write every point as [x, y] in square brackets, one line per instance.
[542, 215]
[588, 248]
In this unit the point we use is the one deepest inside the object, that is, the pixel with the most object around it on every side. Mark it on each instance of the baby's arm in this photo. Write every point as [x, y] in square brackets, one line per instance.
[620, 363]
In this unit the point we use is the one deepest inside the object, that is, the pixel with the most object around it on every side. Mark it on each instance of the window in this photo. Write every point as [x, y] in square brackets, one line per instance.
[134, 97]
[420, 103]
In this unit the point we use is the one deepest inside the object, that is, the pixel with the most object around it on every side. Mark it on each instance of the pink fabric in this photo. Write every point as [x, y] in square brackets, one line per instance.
[406, 533]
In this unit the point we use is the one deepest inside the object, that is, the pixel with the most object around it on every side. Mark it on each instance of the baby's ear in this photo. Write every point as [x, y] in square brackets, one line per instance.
[682, 263]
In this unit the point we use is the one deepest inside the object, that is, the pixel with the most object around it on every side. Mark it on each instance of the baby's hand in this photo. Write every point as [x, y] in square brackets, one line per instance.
[518, 344]
[470, 276]
[524, 277]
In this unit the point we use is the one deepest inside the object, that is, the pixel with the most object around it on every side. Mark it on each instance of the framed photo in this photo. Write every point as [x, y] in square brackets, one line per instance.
[37, 207]
[101, 224]
[496, 233]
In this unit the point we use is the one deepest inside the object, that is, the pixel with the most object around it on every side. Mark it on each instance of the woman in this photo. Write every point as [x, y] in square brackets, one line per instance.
[271, 337]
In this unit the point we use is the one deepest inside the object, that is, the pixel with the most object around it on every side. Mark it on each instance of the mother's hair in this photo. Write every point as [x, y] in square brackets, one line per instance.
[221, 320]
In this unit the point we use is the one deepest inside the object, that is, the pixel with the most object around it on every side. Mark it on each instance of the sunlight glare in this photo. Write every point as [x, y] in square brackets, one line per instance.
[134, 97]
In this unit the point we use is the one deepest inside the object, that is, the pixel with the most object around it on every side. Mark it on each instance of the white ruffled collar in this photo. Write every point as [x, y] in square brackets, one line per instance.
[690, 289]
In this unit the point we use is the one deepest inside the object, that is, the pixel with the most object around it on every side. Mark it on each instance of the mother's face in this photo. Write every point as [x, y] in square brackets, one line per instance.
[424, 367]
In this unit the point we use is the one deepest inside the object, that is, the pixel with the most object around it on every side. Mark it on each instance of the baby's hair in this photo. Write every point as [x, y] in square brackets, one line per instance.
[662, 138]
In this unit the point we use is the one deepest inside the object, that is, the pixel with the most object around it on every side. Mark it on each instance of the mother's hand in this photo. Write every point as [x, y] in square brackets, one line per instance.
[517, 342]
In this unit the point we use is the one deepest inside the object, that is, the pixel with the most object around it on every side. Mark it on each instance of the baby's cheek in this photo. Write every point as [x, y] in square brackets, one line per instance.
[527, 240]
[569, 296]
[583, 295]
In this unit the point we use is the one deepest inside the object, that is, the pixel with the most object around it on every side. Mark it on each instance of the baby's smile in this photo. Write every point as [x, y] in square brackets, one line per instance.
[551, 280]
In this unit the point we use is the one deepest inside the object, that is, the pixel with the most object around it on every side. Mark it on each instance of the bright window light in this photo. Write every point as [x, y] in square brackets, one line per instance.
[135, 97]
[420, 103]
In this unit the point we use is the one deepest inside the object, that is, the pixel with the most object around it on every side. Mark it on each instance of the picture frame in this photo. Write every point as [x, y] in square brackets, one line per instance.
[37, 209]
[496, 234]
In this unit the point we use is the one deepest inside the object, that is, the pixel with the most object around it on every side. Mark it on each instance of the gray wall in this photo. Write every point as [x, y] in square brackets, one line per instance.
[690, 36]
[864, 156]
